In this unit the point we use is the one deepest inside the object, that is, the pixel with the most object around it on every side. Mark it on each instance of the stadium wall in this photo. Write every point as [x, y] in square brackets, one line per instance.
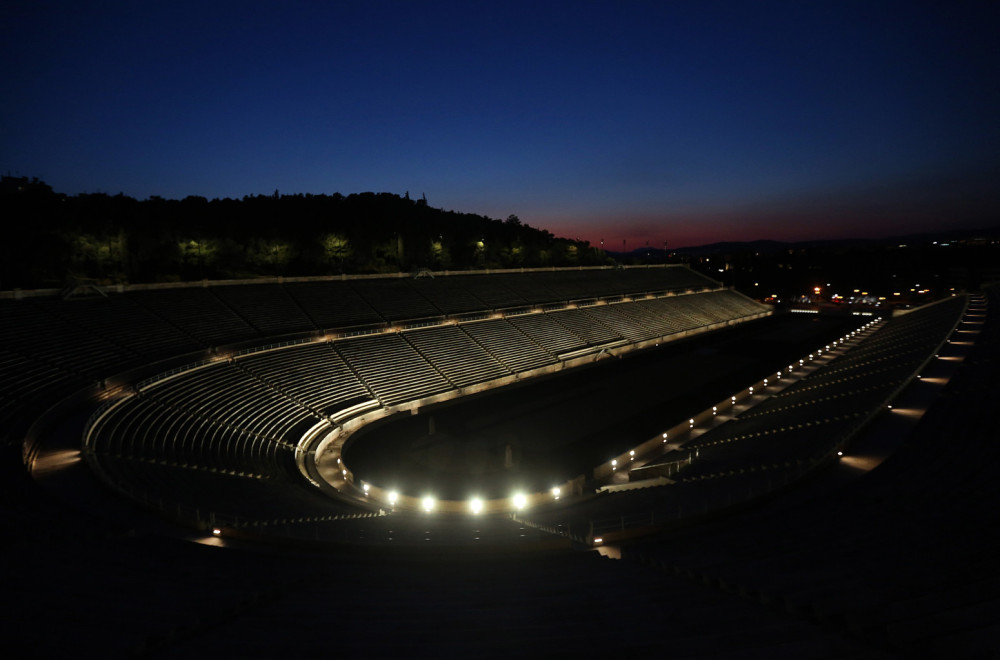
[19, 294]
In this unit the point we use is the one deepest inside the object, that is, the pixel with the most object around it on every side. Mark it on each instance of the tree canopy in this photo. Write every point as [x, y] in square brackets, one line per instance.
[51, 237]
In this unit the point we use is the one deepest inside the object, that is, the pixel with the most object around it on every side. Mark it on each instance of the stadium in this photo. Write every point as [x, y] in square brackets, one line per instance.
[548, 462]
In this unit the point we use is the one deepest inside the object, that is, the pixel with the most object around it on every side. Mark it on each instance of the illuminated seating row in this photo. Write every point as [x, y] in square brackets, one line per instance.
[807, 419]
[143, 429]
[656, 317]
[545, 331]
[216, 418]
[456, 355]
[508, 345]
[230, 396]
[584, 326]
[650, 313]
[618, 321]
[391, 368]
[314, 375]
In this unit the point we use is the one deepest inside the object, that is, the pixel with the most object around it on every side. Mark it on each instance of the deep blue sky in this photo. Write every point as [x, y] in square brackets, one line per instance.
[643, 121]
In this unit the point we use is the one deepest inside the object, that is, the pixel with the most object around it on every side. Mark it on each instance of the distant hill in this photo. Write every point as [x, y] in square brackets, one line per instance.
[765, 247]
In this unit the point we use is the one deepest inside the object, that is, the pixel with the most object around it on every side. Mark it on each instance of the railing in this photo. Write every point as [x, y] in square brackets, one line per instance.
[559, 529]
[95, 417]
[271, 347]
[173, 372]
[422, 322]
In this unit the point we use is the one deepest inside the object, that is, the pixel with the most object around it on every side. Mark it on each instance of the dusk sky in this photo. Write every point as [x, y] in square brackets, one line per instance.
[639, 121]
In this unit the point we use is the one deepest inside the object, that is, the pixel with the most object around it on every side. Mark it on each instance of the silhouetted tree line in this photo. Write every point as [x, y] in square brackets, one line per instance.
[50, 237]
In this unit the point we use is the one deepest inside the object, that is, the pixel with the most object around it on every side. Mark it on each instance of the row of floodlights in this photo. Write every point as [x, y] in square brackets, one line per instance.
[476, 505]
